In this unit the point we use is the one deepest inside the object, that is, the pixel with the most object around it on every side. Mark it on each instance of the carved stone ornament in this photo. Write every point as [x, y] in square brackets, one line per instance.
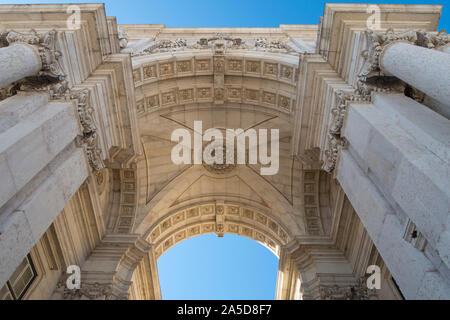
[224, 167]
[371, 78]
[338, 113]
[356, 292]
[276, 44]
[89, 140]
[334, 143]
[51, 77]
[218, 44]
[46, 45]
[433, 40]
[88, 291]
[376, 43]
[123, 37]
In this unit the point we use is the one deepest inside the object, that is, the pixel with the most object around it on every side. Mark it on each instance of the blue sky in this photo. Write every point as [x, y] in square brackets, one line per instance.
[212, 268]
[227, 13]
[233, 267]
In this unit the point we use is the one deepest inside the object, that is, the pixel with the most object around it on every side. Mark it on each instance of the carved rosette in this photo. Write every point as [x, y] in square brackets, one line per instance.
[45, 43]
[89, 140]
[224, 167]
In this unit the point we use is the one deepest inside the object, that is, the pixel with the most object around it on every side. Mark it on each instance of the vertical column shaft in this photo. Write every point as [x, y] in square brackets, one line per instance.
[18, 61]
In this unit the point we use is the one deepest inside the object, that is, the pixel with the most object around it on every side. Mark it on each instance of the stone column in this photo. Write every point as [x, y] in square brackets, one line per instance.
[407, 56]
[29, 54]
[422, 68]
[18, 61]
[395, 173]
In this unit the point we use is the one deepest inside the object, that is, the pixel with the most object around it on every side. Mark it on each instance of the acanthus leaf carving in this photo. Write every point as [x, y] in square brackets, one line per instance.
[90, 139]
[45, 43]
[371, 78]
[433, 40]
[335, 140]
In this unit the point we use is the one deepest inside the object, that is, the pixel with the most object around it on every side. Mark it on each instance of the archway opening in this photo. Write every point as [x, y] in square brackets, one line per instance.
[209, 267]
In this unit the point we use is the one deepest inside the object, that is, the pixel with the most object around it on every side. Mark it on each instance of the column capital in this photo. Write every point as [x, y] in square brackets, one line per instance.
[45, 43]
[376, 43]
[373, 76]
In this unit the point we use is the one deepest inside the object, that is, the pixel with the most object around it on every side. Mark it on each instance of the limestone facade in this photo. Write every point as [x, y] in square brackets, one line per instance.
[86, 116]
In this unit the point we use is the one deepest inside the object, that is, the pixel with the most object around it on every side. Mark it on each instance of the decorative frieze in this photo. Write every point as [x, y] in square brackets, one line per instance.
[219, 41]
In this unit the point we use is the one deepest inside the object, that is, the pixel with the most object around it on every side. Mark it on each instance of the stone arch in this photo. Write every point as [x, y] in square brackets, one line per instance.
[217, 217]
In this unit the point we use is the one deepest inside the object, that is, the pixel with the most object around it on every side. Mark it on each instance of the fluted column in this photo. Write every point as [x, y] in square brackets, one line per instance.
[422, 68]
[17, 62]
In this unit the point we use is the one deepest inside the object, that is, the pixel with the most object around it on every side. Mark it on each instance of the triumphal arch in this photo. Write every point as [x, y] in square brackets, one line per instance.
[88, 107]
